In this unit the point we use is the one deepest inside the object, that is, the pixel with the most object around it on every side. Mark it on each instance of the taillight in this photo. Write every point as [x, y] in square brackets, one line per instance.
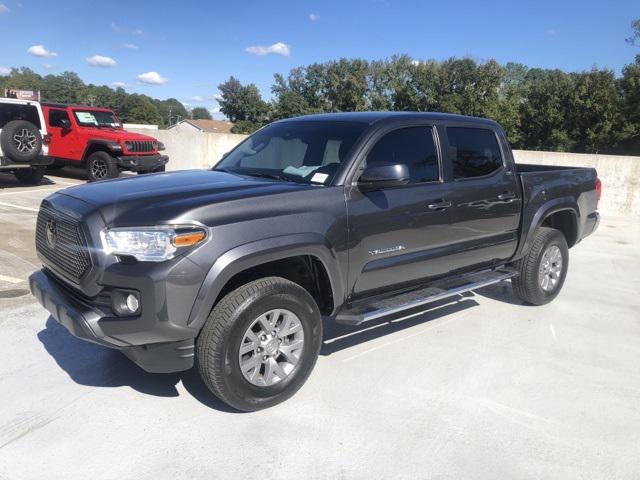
[598, 191]
[46, 139]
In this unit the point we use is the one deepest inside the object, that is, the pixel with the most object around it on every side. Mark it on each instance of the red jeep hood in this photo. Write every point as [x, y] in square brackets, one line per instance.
[109, 134]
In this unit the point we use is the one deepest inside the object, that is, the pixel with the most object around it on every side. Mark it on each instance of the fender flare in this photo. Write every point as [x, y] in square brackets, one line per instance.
[257, 253]
[545, 210]
[98, 142]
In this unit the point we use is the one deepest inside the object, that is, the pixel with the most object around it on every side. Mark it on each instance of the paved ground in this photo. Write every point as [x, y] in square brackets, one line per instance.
[479, 388]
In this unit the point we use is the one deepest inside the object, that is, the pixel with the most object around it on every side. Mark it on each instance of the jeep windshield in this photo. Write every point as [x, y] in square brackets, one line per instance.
[96, 118]
[297, 151]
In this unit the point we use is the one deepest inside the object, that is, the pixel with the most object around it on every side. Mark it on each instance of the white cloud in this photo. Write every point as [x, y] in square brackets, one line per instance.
[40, 51]
[196, 98]
[137, 32]
[115, 27]
[4, 71]
[48, 66]
[100, 61]
[130, 46]
[152, 78]
[277, 48]
[218, 97]
[314, 16]
[3, 9]
[118, 84]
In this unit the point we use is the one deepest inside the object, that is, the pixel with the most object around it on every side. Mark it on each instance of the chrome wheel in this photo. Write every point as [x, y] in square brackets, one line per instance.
[24, 140]
[550, 268]
[99, 169]
[271, 347]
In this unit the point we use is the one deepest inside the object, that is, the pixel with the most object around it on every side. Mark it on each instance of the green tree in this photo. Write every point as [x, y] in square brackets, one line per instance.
[630, 107]
[240, 102]
[200, 113]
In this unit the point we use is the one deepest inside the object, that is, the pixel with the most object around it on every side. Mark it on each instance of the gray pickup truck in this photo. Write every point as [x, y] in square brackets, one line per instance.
[339, 217]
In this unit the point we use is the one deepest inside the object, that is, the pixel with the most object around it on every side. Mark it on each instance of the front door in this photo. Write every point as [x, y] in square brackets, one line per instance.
[397, 235]
[64, 142]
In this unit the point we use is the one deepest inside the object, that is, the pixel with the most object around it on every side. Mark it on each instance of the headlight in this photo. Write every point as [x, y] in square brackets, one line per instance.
[115, 146]
[160, 146]
[151, 244]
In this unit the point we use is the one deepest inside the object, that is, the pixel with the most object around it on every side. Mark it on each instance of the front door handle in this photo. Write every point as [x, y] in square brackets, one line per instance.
[439, 205]
[507, 196]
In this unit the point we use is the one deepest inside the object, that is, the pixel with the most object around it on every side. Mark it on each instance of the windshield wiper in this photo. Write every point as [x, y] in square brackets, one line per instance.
[275, 176]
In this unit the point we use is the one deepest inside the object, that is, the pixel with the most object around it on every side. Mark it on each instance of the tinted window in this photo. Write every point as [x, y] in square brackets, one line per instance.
[413, 147]
[295, 150]
[55, 117]
[474, 152]
[10, 112]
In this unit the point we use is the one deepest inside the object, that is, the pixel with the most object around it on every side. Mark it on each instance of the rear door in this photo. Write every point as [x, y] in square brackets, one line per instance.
[64, 143]
[484, 194]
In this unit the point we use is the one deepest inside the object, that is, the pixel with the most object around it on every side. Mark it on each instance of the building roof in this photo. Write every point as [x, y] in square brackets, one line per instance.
[211, 126]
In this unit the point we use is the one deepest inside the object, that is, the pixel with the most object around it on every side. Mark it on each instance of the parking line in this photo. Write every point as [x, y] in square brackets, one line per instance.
[20, 207]
[4, 278]
[52, 189]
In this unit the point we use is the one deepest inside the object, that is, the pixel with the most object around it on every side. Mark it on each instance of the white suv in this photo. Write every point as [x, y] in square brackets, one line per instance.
[23, 140]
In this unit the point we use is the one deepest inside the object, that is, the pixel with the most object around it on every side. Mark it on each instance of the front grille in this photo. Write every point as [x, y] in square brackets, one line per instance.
[140, 146]
[61, 242]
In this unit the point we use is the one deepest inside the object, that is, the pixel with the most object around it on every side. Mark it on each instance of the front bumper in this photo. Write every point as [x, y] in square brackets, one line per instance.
[96, 323]
[142, 163]
[41, 160]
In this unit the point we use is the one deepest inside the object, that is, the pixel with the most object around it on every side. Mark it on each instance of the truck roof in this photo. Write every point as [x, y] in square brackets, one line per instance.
[374, 117]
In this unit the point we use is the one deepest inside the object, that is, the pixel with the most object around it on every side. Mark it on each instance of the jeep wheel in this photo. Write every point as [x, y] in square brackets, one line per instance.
[21, 141]
[544, 269]
[260, 343]
[29, 176]
[101, 166]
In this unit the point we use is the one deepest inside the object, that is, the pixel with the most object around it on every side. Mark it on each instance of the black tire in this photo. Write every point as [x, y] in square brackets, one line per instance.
[101, 166]
[155, 170]
[21, 141]
[527, 285]
[29, 176]
[218, 345]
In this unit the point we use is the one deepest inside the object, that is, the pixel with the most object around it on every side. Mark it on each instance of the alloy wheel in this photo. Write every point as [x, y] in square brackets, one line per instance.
[550, 268]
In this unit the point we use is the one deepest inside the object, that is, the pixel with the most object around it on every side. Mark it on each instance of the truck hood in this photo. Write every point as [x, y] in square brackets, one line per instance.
[173, 196]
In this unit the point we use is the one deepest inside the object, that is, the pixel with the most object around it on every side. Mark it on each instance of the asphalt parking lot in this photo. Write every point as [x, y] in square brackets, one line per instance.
[480, 387]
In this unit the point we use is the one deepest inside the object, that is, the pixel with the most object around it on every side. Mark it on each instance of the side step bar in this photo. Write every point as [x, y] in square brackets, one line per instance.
[378, 307]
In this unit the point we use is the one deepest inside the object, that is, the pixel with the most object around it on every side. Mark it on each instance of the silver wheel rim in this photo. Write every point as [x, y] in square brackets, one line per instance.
[550, 268]
[271, 347]
[24, 140]
[99, 169]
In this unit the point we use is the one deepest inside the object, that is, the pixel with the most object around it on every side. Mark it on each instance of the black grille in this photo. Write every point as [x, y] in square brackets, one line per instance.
[61, 242]
[140, 146]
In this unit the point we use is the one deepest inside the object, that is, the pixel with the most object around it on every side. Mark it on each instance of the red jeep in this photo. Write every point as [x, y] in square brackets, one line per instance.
[94, 138]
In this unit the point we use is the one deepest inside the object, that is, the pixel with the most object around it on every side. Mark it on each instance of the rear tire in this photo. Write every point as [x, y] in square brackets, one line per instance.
[30, 176]
[277, 325]
[543, 270]
[21, 141]
[101, 166]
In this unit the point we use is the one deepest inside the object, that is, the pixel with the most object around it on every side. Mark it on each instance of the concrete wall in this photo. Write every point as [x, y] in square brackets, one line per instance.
[620, 175]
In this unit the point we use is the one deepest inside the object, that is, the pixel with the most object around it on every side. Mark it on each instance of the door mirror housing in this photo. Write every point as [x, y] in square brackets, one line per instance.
[65, 125]
[384, 175]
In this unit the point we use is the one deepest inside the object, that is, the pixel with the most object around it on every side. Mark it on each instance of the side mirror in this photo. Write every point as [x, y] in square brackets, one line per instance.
[65, 124]
[384, 175]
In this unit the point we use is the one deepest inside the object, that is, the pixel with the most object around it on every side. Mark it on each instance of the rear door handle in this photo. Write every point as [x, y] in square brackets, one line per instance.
[439, 205]
[507, 196]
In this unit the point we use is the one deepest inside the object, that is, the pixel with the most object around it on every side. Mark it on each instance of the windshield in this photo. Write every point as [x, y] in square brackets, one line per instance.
[298, 151]
[96, 118]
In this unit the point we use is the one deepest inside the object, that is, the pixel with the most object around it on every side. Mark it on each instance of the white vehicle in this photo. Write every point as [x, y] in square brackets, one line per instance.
[23, 140]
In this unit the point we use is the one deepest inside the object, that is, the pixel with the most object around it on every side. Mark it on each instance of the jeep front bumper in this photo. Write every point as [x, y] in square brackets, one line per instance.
[142, 163]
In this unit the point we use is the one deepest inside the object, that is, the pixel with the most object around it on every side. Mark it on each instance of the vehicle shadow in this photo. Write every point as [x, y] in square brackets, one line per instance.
[8, 180]
[97, 366]
[501, 292]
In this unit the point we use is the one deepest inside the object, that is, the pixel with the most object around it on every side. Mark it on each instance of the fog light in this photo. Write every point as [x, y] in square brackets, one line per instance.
[125, 302]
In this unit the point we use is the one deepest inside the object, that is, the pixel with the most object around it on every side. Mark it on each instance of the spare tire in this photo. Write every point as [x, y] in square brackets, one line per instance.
[21, 141]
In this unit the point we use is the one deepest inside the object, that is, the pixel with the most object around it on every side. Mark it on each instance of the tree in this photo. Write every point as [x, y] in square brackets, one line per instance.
[630, 107]
[200, 113]
[241, 102]
[634, 39]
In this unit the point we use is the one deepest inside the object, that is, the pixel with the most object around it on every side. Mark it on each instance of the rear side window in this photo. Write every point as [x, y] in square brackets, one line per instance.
[413, 147]
[56, 116]
[10, 112]
[474, 152]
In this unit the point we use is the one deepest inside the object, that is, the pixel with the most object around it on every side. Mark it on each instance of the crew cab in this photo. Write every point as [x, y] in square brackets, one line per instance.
[346, 217]
[23, 140]
[95, 139]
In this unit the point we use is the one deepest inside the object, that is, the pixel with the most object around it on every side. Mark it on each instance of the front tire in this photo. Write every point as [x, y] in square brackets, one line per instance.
[29, 176]
[543, 270]
[101, 166]
[260, 343]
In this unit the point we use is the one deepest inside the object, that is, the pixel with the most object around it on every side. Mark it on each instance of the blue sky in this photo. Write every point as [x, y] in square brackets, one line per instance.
[193, 46]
